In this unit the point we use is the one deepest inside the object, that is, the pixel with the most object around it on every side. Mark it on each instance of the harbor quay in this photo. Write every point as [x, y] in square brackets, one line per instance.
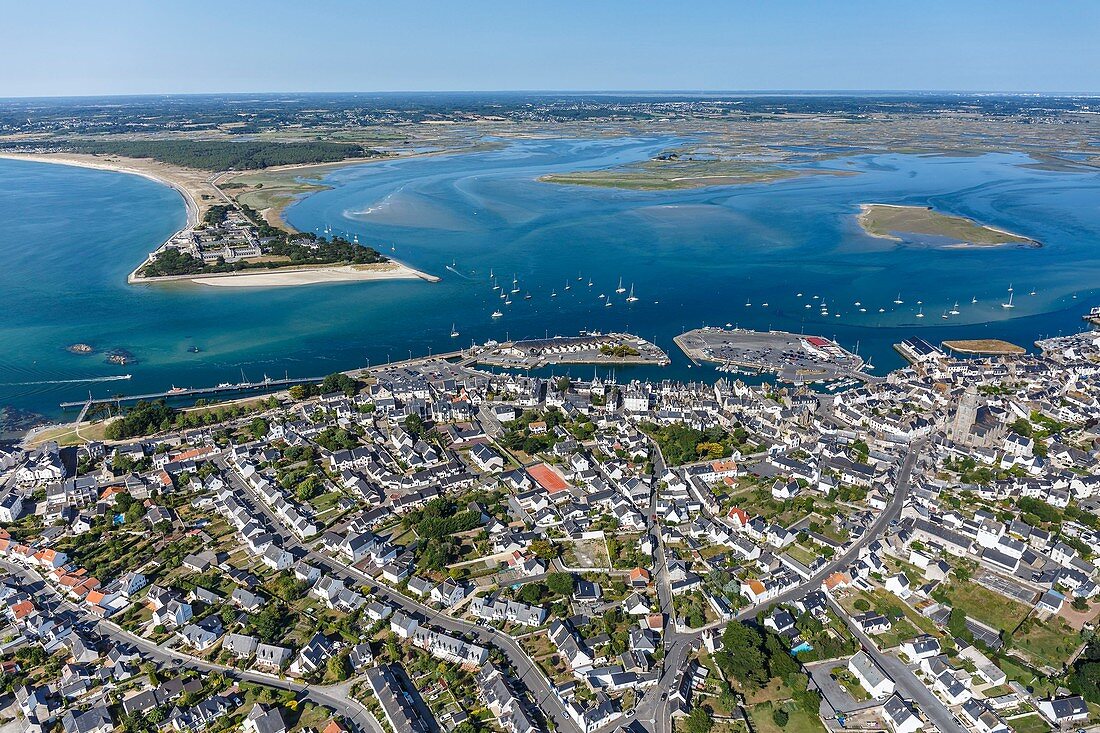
[589, 347]
[792, 357]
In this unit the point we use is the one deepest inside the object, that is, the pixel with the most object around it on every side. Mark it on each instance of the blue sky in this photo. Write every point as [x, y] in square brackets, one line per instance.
[119, 47]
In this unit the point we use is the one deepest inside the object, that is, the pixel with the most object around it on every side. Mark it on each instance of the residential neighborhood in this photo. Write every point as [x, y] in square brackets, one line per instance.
[430, 546]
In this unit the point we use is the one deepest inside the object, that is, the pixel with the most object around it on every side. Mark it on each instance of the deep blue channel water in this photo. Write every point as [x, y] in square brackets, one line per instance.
[693, 257]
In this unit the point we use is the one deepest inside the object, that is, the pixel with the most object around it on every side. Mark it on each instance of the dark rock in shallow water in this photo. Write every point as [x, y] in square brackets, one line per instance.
[121, 357]
[13, 420]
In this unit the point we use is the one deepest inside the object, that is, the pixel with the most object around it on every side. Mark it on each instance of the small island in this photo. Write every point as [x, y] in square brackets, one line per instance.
[689, 168]
[910, 223]
[80, 348]
[661, 175]
[120, 357]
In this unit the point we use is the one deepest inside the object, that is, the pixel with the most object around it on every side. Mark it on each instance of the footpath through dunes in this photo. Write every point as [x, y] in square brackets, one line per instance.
[898, 223]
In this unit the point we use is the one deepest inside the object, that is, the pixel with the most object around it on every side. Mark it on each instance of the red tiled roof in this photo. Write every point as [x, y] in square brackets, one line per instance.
[21, 609]
[110, 492]
[194, 453]
[741, 514]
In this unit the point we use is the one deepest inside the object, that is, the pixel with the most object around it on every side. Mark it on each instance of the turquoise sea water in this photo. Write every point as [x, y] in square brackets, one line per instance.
[694, 257]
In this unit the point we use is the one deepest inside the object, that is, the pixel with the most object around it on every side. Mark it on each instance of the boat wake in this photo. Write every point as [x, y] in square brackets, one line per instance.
[115, 378]
[464, 277]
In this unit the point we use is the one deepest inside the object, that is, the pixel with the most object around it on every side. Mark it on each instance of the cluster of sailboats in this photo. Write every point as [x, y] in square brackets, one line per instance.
[507, 293]
[823, 305]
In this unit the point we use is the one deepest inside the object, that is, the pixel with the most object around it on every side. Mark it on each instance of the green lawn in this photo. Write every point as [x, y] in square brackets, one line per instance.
[310, 717]
[325, 502]
[802, 554]
[719, 725]
[848, 681]
[901, 631]
[1016, 671]
[986, 606]
[1029, 724]
[887, 604]
[1051, 642]
[799, 722]
[834, 533]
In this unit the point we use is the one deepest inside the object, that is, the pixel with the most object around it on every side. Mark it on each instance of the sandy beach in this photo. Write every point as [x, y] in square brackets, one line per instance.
[314, 276]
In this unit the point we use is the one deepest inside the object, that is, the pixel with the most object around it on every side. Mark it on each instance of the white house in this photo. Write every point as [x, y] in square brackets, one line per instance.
[1065, 710]
[900, 716]
[899, 585]
[871, 676]
[920, 648]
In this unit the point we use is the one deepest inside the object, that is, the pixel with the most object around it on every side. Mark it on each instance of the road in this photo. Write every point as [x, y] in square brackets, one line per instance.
[906, 682]
[889, 514]
[652, 710]
[489, 422]
[337, 701]
[526, 669]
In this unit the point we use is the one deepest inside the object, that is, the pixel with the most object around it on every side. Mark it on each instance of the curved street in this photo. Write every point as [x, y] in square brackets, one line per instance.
[526, 669]
[335, 699]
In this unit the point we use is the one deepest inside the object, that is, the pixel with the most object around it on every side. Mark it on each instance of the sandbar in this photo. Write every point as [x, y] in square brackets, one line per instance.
[893, 222]
[313, 276]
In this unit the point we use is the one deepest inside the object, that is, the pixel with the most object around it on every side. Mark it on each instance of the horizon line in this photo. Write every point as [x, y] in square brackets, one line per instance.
[643, 92]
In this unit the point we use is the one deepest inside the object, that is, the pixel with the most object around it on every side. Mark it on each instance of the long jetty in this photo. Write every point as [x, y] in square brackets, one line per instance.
[87, 404]
[192, 392]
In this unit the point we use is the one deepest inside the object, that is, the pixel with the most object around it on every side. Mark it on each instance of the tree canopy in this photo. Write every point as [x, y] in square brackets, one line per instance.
[221, 155]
